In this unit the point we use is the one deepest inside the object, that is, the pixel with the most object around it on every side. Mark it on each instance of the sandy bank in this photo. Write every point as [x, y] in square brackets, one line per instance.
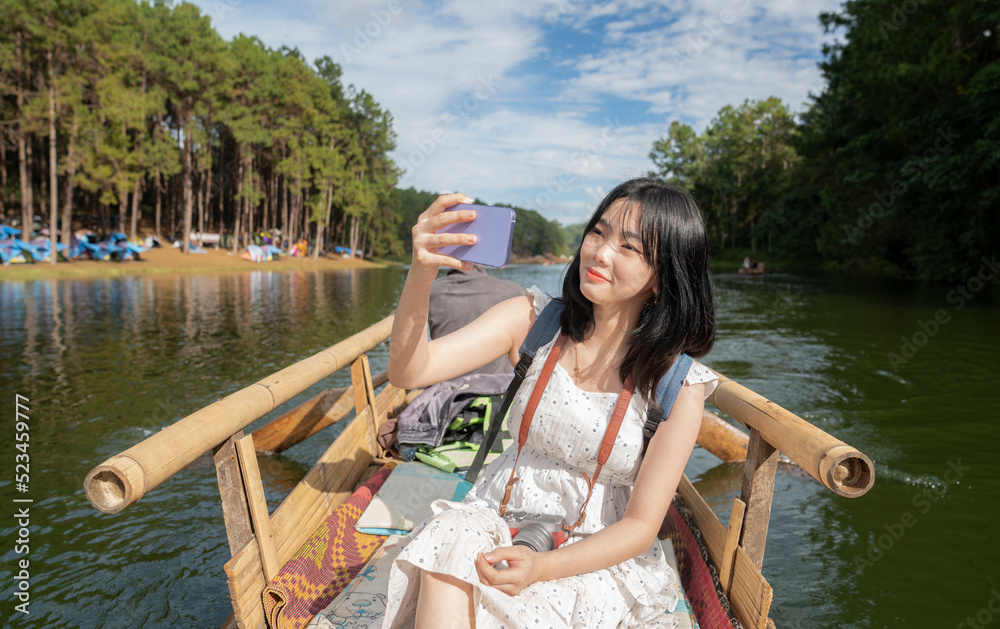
[161, 261]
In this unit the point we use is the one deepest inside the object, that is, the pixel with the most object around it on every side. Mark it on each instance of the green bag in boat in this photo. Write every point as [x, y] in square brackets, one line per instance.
[464, 435]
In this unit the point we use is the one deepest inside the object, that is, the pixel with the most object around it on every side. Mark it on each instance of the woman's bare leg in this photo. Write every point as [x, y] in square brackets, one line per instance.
[444, 602]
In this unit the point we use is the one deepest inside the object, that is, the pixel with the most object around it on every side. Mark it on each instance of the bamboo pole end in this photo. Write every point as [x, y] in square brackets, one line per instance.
[846, 471]
[115, 484]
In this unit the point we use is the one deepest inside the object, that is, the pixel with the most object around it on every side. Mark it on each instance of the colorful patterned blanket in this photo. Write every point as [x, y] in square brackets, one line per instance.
[325, 564]
[698, 576]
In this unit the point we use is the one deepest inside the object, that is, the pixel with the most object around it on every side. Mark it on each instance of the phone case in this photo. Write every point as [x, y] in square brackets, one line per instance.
[494, 229]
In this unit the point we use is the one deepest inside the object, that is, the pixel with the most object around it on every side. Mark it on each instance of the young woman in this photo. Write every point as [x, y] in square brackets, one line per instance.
[637, 294]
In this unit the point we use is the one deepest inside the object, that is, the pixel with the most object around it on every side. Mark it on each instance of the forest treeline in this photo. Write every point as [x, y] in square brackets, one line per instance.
[114, 110]
[113, 106]
[894, 166]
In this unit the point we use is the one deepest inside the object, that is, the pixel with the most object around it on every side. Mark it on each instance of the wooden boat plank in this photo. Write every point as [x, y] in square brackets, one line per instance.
[758, 489]
[713, 533]
[304, 420]
[733, 533]
[245, 580]
[751, 594]
[317, 504]
[258, 506]
[364, 398]
[330, 482]
[234, 500]
[325, 487]
[748, 584]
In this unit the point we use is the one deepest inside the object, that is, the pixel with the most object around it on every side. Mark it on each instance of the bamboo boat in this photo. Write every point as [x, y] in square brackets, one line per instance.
[757, 270]
[262, 543]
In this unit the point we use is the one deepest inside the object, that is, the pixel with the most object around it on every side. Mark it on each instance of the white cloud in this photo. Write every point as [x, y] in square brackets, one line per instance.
[713, 54]
[512, 102]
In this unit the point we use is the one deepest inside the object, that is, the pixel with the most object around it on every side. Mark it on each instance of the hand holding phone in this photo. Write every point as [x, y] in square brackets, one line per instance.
[494, 230]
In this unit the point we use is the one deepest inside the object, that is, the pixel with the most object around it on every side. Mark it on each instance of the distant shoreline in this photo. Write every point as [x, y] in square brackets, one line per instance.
[167, 261]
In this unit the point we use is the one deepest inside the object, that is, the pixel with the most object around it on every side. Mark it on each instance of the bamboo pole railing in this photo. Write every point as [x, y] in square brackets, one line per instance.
[125, 478]
[308, 418]
[839, 467]
[722, 439]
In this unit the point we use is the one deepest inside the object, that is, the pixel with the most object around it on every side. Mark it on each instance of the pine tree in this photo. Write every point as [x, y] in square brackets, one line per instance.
[193, 68]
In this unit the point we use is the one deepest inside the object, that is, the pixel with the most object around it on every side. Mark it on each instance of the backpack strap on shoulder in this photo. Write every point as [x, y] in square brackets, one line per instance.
[545, 327]
[667, 390]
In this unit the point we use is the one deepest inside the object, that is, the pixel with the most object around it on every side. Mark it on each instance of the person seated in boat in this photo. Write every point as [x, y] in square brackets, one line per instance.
[460, 296]
[637, 294]
[746, 262]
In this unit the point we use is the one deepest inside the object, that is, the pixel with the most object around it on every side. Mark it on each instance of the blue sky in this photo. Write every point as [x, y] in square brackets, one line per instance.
[545, 105]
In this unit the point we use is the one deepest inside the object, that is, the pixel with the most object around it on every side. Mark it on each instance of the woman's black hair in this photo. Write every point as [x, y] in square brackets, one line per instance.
[681, 317]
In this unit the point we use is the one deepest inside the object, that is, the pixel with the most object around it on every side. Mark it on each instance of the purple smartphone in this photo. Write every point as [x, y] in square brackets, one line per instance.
[494, 230]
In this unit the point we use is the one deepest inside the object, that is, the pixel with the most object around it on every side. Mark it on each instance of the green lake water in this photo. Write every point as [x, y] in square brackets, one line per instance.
[905, 372]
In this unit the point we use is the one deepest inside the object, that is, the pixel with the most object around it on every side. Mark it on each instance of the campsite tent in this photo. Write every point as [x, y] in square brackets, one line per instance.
[43, 249]
[254, 253]
[16, 251]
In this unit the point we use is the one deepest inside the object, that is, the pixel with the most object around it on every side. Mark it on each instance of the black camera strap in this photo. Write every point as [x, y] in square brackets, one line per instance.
[496, 418]
[545, 327]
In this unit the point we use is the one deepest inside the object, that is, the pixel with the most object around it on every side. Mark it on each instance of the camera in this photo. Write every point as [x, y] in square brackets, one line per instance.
[539, 533]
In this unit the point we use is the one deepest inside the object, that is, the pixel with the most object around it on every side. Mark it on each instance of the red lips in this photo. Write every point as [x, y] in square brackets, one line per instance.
[594, 275]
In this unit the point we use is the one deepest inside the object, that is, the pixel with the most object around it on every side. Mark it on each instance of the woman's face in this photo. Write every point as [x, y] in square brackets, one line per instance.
[613, 269]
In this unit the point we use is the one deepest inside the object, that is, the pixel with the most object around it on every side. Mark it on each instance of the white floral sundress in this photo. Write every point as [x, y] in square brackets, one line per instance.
[565, 436]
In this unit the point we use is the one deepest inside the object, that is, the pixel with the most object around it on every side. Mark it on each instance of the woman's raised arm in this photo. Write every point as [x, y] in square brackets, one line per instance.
[413, 360]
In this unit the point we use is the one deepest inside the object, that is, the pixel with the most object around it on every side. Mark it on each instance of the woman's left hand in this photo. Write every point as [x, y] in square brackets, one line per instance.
[524, 568]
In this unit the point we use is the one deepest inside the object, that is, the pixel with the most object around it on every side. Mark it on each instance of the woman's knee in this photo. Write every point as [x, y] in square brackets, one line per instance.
[443, 580]
[442, 597]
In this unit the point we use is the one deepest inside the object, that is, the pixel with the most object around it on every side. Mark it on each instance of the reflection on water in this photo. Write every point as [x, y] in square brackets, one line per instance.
[108, 362]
